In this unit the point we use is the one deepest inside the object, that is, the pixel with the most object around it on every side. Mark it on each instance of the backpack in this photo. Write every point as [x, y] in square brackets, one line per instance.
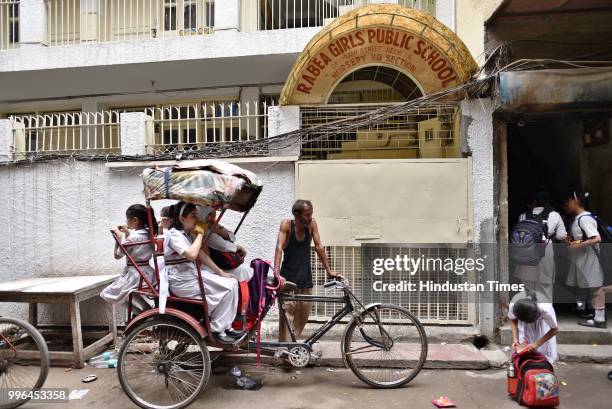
[604, 252]
[535, 383]
[528, 238]
[225, 260]
[254, 296]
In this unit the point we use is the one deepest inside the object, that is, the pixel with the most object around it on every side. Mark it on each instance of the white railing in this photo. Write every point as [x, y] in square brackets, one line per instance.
[66, 133]
[9, 24]
[185, 127]
[85, 21]
[283, 14]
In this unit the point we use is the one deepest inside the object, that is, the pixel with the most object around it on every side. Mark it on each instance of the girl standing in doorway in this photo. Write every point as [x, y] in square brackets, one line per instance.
[585, 271]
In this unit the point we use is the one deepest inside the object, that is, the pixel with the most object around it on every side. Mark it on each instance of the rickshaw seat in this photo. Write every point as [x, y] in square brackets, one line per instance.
[195, 310]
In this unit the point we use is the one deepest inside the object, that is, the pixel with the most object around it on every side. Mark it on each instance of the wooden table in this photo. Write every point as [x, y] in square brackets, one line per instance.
[64, 290]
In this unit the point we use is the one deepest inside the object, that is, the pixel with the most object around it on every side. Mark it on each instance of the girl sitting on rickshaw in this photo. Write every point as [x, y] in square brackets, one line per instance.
[135, 230]
[221, 288]
[222, 248]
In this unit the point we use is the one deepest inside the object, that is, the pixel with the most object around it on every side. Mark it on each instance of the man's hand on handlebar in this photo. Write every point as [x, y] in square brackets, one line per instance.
[334, 274]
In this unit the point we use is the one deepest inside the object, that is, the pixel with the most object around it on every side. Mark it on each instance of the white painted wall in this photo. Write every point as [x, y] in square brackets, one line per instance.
[56, 218]
[230, 44]
[477, 128]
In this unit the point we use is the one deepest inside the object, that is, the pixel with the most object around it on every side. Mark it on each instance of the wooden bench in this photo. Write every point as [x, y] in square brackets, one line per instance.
[70, 291]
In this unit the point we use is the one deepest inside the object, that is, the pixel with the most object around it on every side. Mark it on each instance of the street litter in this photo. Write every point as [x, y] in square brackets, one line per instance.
[506, 349]
[77, 394]
[298, 372]
[243, 381]
[107, 359]
[330, 369]
[443, 402]
[89, 378]
[563, 383]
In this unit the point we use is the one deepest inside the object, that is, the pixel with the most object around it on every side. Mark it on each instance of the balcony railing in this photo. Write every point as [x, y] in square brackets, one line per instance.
[85, 21]
[186, 127]
[284, 14]
[9, 24]
[65, 133]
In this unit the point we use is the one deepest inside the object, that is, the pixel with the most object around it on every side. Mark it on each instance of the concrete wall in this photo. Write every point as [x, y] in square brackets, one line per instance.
[477, 131]
[56, 218]
[470, 17]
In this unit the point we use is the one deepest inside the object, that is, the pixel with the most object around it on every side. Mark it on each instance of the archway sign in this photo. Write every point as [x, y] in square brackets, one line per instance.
[406, 39]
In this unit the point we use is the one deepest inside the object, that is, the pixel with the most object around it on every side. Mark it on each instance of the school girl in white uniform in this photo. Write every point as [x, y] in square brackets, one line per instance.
[243, 272]
[585, 271]
[220, 288]
[534, 324]
[135, 231]
[541, 278]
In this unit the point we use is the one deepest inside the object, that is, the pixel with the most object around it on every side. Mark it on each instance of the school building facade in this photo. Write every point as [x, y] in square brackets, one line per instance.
[95, 90]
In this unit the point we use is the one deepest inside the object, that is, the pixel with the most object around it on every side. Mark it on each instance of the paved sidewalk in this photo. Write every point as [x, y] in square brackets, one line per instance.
[585, 386]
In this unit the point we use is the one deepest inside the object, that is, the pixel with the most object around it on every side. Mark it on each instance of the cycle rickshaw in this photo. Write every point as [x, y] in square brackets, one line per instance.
[164, 360]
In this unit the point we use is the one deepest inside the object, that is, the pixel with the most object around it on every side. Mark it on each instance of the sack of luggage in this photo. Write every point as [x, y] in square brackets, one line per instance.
[604, 252]
[528, 238]
[532, 381]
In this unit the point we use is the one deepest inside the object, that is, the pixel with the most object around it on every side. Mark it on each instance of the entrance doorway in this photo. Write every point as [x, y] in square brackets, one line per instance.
[559, 156]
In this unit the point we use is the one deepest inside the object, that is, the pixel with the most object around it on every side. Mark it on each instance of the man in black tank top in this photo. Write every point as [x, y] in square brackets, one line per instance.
[293, 247]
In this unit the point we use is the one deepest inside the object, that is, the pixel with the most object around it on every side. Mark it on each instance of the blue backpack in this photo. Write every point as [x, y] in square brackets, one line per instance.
[528, 239]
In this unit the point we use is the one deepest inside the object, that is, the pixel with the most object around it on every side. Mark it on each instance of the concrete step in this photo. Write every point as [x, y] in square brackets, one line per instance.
[439, 356]
[451, 334]
[597, 354]
[569, 333]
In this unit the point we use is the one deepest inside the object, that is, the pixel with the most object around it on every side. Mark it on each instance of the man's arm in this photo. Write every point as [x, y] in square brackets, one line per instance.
[281, 243]
[314, 230]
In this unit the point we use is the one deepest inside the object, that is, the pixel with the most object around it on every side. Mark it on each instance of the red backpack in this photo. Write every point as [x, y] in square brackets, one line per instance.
[535, 383]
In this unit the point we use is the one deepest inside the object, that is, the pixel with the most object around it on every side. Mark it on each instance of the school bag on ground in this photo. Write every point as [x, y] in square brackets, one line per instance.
[604, 253]
[528, 238]
[532, 382]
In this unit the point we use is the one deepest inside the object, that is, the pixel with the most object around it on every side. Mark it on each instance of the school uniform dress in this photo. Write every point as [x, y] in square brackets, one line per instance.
[180, 278]
[243, 272]
[585, 270]
[531, 332]
[118, 292]
[541, 278]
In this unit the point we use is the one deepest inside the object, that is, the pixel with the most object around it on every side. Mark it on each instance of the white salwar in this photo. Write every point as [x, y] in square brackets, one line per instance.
[181, 279]
[118, 292]
[531, 332]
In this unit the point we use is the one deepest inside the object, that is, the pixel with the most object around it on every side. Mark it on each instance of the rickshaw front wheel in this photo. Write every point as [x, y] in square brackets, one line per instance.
[163, 364]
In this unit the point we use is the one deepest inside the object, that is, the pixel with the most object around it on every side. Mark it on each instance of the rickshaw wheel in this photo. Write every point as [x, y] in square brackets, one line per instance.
[163, 363]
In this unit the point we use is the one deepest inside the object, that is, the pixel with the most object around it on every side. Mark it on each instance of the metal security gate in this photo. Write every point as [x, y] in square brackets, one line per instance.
[434, 307]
